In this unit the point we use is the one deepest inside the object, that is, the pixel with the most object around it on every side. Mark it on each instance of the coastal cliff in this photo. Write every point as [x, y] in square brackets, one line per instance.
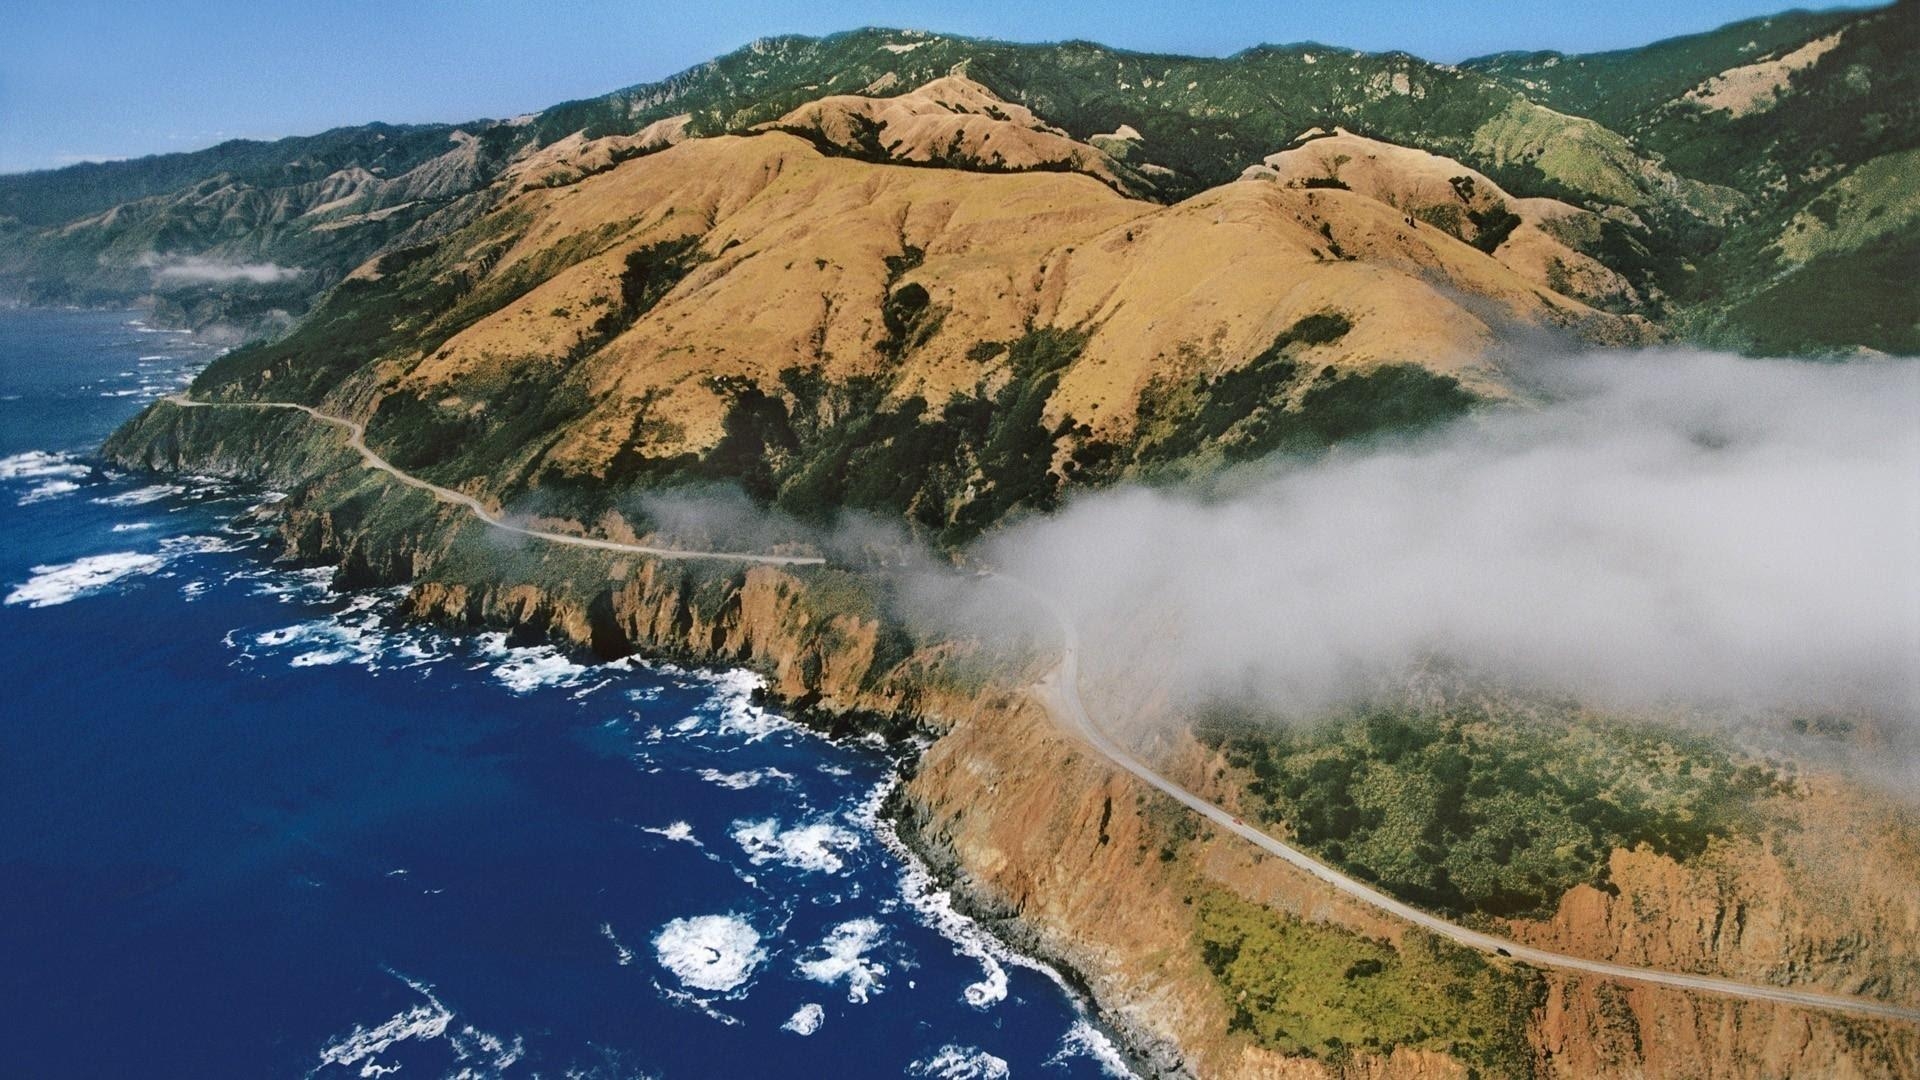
[1064, 856]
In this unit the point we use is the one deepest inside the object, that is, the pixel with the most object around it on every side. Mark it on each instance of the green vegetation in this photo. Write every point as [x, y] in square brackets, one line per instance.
[45, 198]
[500, 432]
[1493, 225]
[953, 473]
[648, 275]
[1618, 88]
[1492, 813]
[813, 447]
[1701, 250]
[1310, 988]
[1354, 405]
[358, 322]
[1266, 405]
[1864, 297]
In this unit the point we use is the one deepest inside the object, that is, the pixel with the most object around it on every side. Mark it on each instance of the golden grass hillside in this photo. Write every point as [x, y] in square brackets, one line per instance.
[798, 253]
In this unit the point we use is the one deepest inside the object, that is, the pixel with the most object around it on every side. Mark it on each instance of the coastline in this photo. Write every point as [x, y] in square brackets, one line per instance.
[288, 458]
[1007, 811]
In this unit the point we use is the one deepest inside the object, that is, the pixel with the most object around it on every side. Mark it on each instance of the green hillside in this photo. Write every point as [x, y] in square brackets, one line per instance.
[1699, 196]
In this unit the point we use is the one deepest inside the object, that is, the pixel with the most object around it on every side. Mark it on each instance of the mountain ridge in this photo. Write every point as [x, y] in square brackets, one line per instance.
[1201, 121]
[824, 302]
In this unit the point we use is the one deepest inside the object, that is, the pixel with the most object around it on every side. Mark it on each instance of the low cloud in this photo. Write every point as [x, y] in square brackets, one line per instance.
[1651, 528]
[200, 270]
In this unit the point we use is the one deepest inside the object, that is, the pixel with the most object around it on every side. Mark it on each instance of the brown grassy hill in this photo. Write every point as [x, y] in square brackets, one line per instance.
[719, 305]
[1544, 240]
[952, 121]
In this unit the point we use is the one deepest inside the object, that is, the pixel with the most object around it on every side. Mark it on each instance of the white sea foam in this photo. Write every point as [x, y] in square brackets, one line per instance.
[132, 526]
[934, 906]
[48, 489]
[843, 955]
[478, 1052]
[495, 1053]
[528, 668]
[622, 954]
[1085, 1040]
[991, 990]
[694, 1001]
[312, 583]
[428, 1020]
[327, 641]
[710, 952]
[817, 846]
[745, 778]
[174, 547]
[960, 1063]
[140, 496]
[39, 464]
[60, 582]
[679, 830]
[805, 1020]
[733, 692]
[356, 634]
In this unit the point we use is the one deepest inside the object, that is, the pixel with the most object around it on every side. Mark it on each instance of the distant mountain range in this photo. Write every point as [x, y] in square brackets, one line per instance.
[1752, 177]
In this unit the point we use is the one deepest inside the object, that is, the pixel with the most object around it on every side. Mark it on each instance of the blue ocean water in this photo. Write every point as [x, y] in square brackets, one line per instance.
[251, 827]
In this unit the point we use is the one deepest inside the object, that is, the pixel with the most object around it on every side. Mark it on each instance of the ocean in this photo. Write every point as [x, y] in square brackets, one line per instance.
[254, 827]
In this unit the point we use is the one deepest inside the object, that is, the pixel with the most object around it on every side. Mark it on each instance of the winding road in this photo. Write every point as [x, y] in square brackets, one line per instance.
[1060, 692]
[357, 440]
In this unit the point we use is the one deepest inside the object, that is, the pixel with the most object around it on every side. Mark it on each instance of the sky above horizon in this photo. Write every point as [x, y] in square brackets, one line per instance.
[90, 80]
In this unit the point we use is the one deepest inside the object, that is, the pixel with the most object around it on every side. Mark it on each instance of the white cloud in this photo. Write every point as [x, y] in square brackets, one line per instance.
[200, 270]
[1658, 526]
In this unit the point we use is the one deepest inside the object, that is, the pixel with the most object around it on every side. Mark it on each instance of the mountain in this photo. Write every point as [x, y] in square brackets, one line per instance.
[1690, 195]
[1621, 87]
[1800, 112]
[801, 315]
[821, 292]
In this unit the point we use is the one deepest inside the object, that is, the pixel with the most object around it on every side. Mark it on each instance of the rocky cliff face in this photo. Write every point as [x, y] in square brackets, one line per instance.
[1065, 856]
[1826, 899]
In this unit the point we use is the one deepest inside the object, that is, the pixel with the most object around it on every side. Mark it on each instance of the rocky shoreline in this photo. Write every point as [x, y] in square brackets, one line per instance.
[1042, 845]
[275, 451]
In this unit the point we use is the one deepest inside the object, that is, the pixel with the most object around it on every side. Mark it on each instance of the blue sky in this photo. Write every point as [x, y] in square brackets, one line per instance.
[93, 79]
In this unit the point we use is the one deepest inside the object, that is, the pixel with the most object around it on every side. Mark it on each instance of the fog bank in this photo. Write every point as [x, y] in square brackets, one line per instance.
[1651, 527]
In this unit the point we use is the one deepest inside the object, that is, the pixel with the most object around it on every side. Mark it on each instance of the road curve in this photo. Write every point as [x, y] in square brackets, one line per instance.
[357, 440]
[1060, 692]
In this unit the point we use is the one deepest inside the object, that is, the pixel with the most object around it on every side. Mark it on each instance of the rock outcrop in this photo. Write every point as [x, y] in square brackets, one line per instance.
[1063, 854]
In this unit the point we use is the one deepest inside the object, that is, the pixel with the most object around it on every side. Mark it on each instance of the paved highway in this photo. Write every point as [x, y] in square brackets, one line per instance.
[357, 439]
[1060, 691]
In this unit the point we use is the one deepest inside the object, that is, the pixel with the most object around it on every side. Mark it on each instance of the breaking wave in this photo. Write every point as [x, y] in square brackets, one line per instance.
[58, 583]
[525, 669]
[816, 847]
[140, 496]
[843, 955]
[679, 831]
[805, 1020]
[479, 1052]
[41, 465]
[710, 952]
[960, 1063]
[1084, 1040]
